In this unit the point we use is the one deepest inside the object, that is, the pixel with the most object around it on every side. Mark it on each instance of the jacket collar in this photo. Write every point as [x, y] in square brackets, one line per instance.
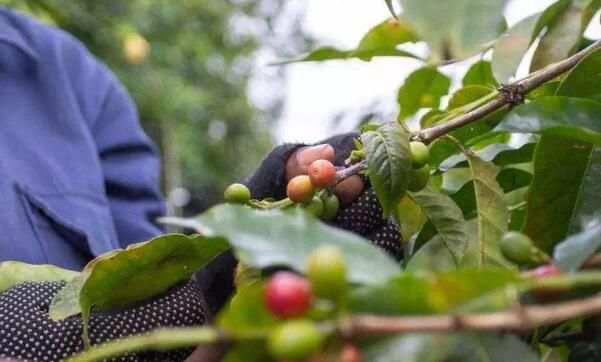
[12, 35]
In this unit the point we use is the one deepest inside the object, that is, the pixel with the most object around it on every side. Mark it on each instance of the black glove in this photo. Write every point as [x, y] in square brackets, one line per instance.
[360, 211]
[28, 333]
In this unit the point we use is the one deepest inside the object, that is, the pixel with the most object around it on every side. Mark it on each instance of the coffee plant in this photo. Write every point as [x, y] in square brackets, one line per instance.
[495, 186]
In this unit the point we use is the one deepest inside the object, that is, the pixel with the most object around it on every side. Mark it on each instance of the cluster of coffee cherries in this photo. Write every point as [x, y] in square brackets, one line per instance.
[311, 192]
[294, 299]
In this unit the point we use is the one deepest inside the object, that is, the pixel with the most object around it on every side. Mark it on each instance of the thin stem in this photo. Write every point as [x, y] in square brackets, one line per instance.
[525, 318]
[550, 72]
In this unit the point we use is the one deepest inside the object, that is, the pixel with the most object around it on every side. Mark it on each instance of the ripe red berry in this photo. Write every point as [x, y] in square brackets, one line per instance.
[350, 353]
[322, 174]
[288, 295]
[300, 189]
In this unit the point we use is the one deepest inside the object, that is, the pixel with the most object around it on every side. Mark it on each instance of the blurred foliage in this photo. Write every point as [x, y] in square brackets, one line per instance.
[188, 65]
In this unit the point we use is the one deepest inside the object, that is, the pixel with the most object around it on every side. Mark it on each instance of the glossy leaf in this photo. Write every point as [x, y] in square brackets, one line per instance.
[571, 253]
[446, 219]
[443, 25]
[425, 292]
[509, 50]
[380, 41]
[125, 276]
[422, 89]
[561, 38]
[467, 95]
[480, 73]
[493, 215]
[559, 168]
[13, 273]
[270, 238]
[584, 80]
[500, 154]
[563, 116]
[389, 162]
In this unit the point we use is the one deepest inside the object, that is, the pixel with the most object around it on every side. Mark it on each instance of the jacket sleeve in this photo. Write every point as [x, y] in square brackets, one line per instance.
[131, 167]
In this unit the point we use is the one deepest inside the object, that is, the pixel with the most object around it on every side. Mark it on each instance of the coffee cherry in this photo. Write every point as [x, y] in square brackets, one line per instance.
[295, 340]
[237, 194]
[350, 353]
[322, 174]
[330, 208]
[419, 153]
[326, 271]
[288, 295]
[418, 178]
[519, 249]
[314, 207]
[300, 189]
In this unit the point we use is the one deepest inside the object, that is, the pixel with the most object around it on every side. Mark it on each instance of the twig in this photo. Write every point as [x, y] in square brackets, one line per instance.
[527, 318]
[509, 95]
[550, 72]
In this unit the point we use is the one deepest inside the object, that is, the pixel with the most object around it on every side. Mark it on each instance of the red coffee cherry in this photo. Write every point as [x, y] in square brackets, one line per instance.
[545, 271]
[300, 189]
[322, 174]
[288, 295]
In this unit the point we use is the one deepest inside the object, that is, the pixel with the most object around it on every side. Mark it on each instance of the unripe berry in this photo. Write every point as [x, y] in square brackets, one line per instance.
[418, 178]
[300, 189]
[326, 270]
[295, 340]
[288, 295]
[330, 208]
[236, 194]
[519, 249]
[322, 174]
[135, 48]
[419, 153]
[314, 207]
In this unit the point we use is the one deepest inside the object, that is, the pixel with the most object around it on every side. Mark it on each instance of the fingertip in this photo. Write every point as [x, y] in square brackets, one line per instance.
[349, 190]
[328, 153]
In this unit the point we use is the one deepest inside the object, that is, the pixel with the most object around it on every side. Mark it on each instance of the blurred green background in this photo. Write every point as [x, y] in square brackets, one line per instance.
[188, 65]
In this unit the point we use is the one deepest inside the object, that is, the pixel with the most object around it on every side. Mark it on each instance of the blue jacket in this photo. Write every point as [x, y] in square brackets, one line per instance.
[78, 176]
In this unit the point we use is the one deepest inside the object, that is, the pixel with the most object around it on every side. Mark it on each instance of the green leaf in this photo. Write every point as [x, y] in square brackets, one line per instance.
[443, 25]
[562, 116]
[380, 41]
[560, 164]
[422, 89]
[467, 95]
[480, 73]
[500, 154]
[584, 81]
[268, 238]
[389, 162]
[425, 292]
[246, 314]
[571, 253]
[411, 348]
[384, 36]
[13, 273]
[409, 217]
[143, 270]
[562, 36]
[510, 49]
[446, 219]
[493, 215]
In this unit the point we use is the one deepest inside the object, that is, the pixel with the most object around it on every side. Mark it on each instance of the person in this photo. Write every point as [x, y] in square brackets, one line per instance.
[79, 177]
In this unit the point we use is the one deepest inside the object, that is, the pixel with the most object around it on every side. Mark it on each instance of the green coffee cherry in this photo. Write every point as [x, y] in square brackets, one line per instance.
[519, 249]
[296, 339]
[314, 207]
[326, 271]
[420, 154]
[331, 204]
[418, 178]
[237, 194]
